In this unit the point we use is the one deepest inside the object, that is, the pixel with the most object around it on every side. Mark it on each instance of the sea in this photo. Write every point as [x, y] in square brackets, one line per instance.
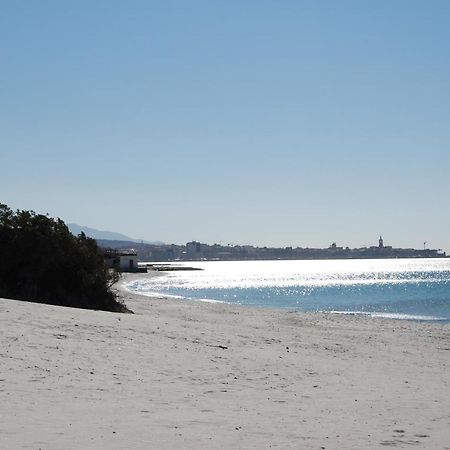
[404, 289]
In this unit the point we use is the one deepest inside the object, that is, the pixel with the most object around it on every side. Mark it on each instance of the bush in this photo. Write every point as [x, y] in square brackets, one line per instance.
[41, 261]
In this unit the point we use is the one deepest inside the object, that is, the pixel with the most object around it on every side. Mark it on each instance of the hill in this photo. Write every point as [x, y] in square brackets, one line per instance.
[105, 235]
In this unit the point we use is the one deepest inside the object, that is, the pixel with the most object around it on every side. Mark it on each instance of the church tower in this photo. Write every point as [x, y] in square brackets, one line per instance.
[380, 242]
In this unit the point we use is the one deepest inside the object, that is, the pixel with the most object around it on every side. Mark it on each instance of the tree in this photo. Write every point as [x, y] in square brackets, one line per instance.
[41, 261]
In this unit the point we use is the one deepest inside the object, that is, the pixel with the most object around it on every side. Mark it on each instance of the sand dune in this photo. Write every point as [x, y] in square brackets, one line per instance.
[196, 375]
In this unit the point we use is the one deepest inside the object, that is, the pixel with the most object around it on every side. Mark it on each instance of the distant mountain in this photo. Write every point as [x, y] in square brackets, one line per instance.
[105, 235]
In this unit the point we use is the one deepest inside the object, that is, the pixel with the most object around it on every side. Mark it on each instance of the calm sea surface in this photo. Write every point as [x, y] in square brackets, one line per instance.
[415, 289]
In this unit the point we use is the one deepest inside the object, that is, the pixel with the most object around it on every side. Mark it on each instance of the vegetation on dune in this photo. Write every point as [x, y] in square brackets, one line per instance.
[41, 261]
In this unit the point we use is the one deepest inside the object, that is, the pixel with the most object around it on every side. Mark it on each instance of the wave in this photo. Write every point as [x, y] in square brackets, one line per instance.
[391, 315]
[135, 289]
[208, 283]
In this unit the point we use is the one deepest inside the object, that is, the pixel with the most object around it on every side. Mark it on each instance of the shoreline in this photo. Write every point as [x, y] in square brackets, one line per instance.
[122, 292]
[181, 374]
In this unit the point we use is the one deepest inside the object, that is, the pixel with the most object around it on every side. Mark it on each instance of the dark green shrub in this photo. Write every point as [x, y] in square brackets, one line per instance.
[41, 261]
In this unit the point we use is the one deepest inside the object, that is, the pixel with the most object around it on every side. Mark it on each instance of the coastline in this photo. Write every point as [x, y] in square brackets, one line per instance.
[181, 374]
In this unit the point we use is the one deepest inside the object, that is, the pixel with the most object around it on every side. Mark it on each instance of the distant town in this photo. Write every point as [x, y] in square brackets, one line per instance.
[197, 251]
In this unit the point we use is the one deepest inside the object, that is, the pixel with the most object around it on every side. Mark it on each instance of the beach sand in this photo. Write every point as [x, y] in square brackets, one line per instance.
[180, 374]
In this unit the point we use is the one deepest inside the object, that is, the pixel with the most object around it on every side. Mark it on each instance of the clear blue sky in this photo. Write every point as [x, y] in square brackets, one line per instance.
[262, 122]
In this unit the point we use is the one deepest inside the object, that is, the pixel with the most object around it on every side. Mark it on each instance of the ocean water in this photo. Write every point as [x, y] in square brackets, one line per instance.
[412, 289]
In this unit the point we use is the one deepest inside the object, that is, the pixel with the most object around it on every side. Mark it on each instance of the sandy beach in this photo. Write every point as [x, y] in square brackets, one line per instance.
[179, 374]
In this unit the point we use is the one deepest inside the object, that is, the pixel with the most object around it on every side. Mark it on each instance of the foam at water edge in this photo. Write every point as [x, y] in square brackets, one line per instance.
[132, 288]
[386, 315]
[208, 300]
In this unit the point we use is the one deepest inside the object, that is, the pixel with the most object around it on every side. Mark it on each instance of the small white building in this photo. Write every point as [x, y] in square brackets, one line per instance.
[128, 262]
[122, 260]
